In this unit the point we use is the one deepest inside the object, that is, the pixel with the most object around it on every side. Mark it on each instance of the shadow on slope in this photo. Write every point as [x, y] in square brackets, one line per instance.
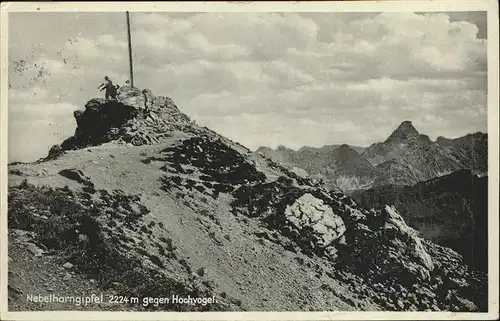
[451, 210]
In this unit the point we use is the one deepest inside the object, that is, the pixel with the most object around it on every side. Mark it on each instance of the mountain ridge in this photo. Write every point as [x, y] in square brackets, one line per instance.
[144, 201]
[406, 157]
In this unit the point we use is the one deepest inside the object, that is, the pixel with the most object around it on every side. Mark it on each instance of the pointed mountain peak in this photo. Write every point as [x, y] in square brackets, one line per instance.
[404, 131]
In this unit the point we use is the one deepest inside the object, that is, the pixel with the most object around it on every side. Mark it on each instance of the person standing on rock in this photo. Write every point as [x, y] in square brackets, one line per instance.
[110, 88]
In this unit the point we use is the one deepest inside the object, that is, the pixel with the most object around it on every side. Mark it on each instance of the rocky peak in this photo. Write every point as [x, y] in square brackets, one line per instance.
[405, 131]
[136, 117]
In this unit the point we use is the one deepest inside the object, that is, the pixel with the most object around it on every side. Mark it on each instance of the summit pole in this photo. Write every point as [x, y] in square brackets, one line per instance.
[130, 52]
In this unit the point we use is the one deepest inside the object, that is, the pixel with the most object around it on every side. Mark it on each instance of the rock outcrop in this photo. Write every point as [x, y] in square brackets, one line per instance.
[311, 213]
[136, 117]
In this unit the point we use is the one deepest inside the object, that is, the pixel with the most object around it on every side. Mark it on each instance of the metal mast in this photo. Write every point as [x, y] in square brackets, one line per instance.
[130, 52]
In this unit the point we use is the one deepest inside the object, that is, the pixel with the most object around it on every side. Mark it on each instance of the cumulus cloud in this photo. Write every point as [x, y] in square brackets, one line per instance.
[105, 45]
[197, 41]
[24, 95]
[83, 47]
[274, 79]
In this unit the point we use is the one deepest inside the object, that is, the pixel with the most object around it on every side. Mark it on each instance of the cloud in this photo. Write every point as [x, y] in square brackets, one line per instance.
[24, 95]
[263, 36]
[107, 40]
[269, 78]
[166, 22]
[105, 45]
[156, 40]
[400, 45]
[477, 18]
[83, 47]
[197, 41]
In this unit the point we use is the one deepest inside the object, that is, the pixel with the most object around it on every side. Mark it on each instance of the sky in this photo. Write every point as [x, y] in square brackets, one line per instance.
[262, 79]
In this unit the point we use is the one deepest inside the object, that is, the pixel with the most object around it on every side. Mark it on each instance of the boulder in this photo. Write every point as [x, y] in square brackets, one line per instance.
[311, 212]
[132, 96]
[35, 250]
[128, 91]
[413, 241]
[75, 174]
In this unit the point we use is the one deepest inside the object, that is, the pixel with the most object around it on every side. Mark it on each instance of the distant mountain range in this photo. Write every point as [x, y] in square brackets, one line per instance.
[341, 165]
[406, 157]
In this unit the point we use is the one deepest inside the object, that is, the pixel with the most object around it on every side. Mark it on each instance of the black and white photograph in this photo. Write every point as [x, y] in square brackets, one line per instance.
[308, 161]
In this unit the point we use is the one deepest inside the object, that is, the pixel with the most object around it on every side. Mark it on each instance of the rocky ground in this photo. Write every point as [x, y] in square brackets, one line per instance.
[142, 202]
[451, 210]
[33, 270]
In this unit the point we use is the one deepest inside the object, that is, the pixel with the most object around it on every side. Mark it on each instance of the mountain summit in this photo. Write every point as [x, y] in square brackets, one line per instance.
[405, 131]
[136, 117]
[402, 139]
[143, 202]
